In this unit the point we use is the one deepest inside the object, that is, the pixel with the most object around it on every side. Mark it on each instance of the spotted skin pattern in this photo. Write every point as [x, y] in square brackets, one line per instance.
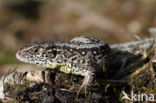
[83, 56]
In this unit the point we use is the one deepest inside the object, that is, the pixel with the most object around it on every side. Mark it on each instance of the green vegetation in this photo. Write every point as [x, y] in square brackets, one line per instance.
[7, 56]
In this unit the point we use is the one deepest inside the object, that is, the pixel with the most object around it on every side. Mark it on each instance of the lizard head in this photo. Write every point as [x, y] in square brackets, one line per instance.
[41, 53]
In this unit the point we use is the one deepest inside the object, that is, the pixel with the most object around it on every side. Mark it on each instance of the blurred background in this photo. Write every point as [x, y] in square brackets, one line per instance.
[25, 21]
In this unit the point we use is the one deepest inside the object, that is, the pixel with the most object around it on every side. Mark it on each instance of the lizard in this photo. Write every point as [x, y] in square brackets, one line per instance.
[85, 56]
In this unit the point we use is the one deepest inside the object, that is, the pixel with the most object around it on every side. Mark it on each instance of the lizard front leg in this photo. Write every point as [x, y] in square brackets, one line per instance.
[86, 82]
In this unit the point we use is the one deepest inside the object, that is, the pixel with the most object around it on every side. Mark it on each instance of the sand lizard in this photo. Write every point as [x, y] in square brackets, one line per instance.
[83, 56]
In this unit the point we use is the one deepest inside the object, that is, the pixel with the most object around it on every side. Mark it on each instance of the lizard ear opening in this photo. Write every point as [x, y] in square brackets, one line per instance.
[50, 51]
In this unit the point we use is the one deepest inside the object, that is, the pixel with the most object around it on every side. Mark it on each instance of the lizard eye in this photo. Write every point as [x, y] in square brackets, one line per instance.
[35, 49]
